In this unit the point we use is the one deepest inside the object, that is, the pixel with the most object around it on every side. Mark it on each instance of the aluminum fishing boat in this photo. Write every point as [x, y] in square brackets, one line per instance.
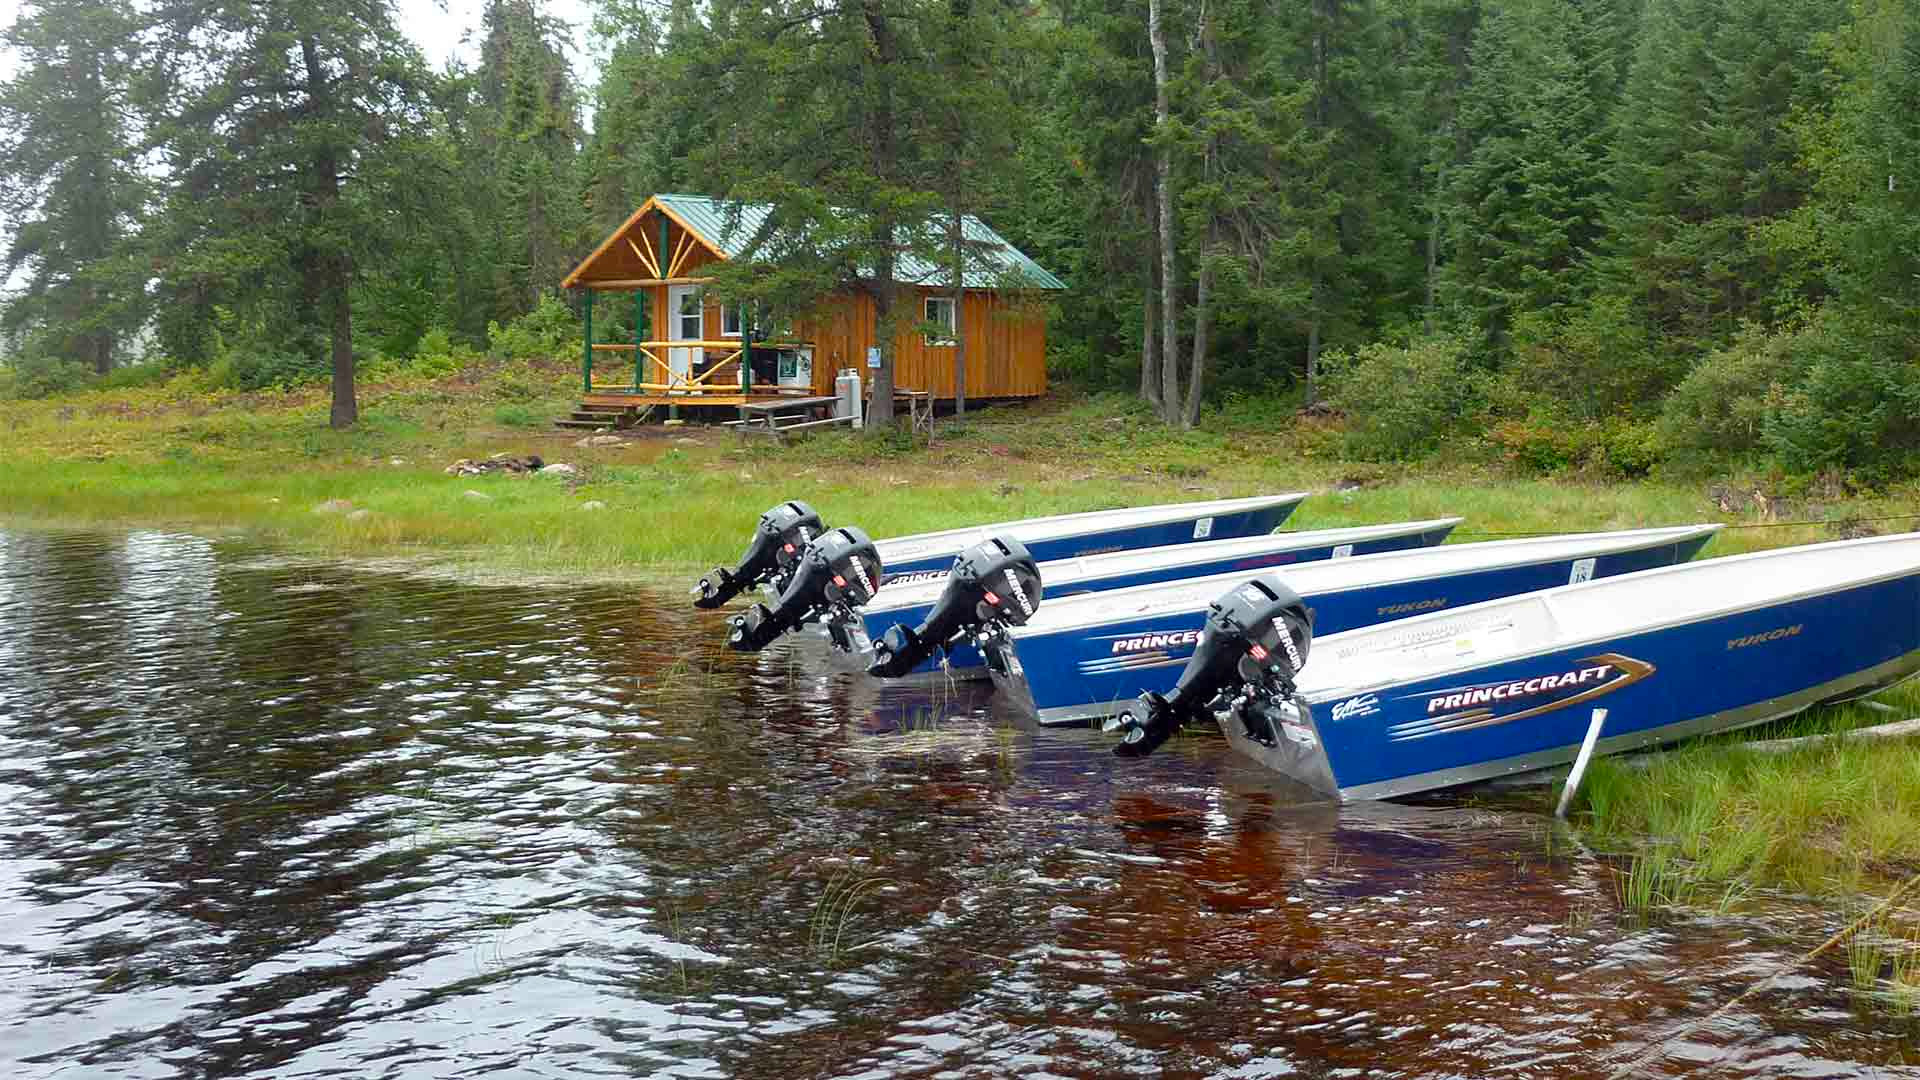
[1085, 658]
[909, 603]
[783, 533]
[1510, 685]
[927, 556]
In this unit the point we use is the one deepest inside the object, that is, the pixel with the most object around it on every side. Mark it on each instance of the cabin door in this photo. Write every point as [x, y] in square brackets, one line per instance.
[686, 322]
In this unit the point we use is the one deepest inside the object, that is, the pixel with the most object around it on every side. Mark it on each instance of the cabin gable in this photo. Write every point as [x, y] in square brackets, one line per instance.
[661, 257]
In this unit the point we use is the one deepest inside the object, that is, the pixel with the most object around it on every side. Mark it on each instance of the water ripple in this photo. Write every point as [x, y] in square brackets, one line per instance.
[281, 818]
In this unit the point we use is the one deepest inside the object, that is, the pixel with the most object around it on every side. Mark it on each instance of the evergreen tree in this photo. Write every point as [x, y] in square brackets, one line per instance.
[276, 117]
[1861, 145]
[527, 138]
[1700, 158]
[821, 115]
[70, 185]
[1529, 200]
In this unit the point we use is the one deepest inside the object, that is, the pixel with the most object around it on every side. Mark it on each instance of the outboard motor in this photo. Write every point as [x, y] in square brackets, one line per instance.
[993, 585]
[836, 573]
[782, 534]
[1254, 643]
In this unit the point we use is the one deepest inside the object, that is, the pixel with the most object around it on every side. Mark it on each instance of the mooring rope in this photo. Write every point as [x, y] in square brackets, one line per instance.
[1658, 1050]
[1724, 525]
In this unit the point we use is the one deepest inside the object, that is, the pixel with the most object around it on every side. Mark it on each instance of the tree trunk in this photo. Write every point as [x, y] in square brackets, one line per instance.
[884, 57]
[1203, 292]
[330, 272]
[958, 234]
[1202, 322]
[1313, 355]
[1149, 342]
[1433, 253]
[1163, 194]
[1322, 16]
[346, 407]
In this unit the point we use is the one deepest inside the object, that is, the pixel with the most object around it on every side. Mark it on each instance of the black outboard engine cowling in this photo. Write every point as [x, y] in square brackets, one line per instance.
[993, 585]
[1254, 643]
[781, 535]
[836, 573]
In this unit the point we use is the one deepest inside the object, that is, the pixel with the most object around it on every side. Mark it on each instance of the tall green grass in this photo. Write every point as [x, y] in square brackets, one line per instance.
[1824, 819]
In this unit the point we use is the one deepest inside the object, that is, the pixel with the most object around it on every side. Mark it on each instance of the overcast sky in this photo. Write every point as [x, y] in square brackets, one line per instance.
[438, 25]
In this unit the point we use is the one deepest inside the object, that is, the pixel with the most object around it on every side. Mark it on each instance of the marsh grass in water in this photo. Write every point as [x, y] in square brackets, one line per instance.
[1883, 965]
[1826, 818]
[834, 914]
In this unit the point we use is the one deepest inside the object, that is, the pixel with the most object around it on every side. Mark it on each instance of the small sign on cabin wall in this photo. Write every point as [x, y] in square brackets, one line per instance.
[873, 357]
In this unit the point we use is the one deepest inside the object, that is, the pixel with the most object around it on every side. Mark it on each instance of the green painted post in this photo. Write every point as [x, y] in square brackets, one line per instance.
[639, 335]
[746, 352]
[662, 249]
[586, 349]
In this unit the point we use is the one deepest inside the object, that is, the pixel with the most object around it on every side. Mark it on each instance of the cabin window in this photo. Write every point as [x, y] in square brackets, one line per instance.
[940, 316]
[729, 320]
[689, 314]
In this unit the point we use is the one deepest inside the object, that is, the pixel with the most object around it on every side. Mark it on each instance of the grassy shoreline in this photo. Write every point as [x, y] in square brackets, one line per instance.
[1711, 818]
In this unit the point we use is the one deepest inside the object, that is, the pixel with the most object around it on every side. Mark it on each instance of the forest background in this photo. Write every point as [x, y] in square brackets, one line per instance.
[1623, 232]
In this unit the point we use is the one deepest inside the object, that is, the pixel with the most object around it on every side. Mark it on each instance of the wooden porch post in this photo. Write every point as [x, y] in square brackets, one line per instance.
[586, 348]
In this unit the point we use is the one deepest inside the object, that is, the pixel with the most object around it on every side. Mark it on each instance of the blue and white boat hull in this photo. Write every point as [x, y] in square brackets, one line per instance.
[909, 602]
[1510, 686]
[1086, 658]
[909, 558]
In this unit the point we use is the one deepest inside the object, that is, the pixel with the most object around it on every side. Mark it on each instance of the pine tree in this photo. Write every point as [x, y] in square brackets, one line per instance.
[1700, 159]
[69, 183]
[277, 118]
[822, 112]
[1529, 200]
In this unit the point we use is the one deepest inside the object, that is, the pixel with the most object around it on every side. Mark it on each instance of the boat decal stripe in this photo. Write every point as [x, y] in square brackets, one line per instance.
[1597, 676]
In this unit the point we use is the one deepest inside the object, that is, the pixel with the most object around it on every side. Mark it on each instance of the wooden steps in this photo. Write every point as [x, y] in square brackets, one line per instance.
[598, 417]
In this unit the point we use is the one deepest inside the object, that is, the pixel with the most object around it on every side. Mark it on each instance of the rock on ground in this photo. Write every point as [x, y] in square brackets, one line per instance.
[497, 463]
[593, 504]
[333, 506]
[480, 495]
[559, 468]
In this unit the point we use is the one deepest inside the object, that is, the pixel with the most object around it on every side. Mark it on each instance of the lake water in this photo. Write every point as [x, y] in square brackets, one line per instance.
[276, 818]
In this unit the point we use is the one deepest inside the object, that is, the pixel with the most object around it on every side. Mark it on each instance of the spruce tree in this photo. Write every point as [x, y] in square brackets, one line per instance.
[276, 118]
[70, 185]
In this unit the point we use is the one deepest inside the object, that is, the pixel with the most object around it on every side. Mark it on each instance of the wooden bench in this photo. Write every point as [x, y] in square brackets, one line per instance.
[778, 415]
[919, 405]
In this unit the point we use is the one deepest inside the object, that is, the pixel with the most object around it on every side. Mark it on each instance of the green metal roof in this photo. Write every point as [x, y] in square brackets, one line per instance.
[711, 218]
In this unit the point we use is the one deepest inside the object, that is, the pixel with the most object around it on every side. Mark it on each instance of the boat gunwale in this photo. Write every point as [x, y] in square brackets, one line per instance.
[1758, 712]
[1319, 695]
[1676, 534]
[883, 602]
[1242, 504]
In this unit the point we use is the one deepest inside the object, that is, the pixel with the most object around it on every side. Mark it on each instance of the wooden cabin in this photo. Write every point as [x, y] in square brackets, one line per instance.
[687, 347]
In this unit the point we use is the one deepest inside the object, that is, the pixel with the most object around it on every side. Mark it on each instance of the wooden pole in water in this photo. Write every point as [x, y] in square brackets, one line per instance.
[1580, 762]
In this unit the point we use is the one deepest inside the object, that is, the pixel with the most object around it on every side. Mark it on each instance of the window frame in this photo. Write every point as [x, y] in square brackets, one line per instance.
[725, 310]
[951, 324]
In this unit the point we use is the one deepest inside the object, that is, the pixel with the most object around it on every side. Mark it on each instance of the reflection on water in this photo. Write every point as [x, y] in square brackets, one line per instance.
[264, 817]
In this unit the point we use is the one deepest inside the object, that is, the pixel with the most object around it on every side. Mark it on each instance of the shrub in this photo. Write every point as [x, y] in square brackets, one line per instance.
[38, 375]
[1617, 448]
[520, 416]
[1401, 399]
[1536, 446]
[549, 330]
[1721, 406]
[1625, 448]
[1858, 408]
[1594, 363]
